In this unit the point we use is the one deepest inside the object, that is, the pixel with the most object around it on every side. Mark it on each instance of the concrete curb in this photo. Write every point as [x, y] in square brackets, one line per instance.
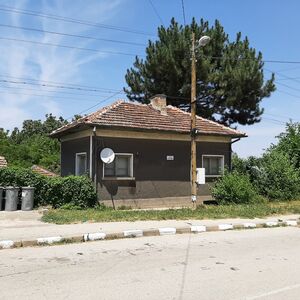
[134, 233]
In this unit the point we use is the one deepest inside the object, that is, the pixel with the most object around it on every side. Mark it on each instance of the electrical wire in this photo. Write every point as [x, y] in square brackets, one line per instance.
[68, 47]
[89, 88]
[47, 96]
[70, 20]
[55, 91]
[52, 85]
[97, 104]
[156, 12]
[71, 35]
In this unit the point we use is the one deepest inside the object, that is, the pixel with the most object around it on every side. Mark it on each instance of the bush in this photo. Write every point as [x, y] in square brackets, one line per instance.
[279, 180]
[234, 188]
[73, 191]
[76, 191]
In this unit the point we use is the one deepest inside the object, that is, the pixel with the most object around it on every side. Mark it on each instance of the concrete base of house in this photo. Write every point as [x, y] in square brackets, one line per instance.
[165, 202]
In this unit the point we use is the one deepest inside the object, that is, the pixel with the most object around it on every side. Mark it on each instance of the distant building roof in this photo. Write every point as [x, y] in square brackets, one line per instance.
[135, 116]
[43, 171]
[3, 162]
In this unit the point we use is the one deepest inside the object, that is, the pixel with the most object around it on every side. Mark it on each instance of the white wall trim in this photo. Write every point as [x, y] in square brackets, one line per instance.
[76, 166]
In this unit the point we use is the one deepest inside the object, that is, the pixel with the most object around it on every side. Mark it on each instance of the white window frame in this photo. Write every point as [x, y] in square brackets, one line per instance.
[76, 162]
[131, 177]
[222, 164]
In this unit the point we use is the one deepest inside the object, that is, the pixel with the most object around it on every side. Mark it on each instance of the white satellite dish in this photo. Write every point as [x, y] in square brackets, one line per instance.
[107, 155]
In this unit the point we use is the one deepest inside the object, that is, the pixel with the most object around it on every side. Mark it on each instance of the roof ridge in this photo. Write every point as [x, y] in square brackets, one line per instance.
[204, 119]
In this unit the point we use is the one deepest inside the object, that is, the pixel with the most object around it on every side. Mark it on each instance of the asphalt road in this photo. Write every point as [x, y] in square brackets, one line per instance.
[250, 264]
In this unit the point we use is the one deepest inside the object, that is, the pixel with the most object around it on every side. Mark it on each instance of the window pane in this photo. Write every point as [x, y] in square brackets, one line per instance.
[81, 164]
[206, 165]
[213, 165]
[109, 169]
[122, 166]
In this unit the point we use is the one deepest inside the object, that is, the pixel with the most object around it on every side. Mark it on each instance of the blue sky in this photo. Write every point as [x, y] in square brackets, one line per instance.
[271, 25]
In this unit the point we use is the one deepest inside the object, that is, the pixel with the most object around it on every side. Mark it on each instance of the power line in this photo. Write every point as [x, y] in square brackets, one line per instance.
[47, 96]
[68, 47]
[183, 12]
[134, 55]
[54, 91]
[265, 61]
[289, 87]
[156, 12]
[102, 101]
[70, 20]
[71, 35]
[89, 88]
[51, 85]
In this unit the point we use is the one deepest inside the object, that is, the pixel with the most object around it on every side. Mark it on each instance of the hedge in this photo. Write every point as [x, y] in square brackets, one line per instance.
[234, 188]
[75, 191]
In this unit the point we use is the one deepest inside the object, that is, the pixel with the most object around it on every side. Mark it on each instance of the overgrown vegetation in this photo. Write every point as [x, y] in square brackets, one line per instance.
[276, 175]
[75, 191]
[235, 188]
[62, 216]
[31, 145]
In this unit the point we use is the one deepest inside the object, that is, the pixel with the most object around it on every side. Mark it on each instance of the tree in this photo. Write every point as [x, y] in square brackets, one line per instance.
[289, 142]
[279, 180]
[230, 74]
[32, 145]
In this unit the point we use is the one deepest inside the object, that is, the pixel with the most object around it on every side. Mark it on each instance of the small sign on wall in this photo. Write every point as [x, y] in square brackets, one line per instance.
[170, 157]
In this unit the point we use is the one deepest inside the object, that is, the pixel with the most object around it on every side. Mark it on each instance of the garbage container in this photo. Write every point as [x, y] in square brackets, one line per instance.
[27, 198]
[11, 198]
[1, 197]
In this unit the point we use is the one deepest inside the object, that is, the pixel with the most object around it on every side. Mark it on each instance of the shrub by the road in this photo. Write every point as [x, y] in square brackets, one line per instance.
[234, 188]
[280, 179]
[77, 191]
[74, 191]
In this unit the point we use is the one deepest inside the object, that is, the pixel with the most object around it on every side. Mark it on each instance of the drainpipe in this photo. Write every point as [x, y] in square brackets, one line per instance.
[95, 156]
[230, 152]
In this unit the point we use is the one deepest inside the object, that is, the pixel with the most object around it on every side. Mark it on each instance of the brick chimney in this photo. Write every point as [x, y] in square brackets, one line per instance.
[159, 102]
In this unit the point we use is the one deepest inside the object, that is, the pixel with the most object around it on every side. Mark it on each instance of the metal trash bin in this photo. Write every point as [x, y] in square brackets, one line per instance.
[27, 198]
[1, 197]
[11, 198]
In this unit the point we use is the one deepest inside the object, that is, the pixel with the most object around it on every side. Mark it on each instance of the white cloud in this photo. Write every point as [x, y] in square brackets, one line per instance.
[46, 62]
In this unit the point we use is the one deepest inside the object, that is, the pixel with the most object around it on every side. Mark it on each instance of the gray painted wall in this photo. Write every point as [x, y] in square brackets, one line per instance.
[155, 176]
[68, 154]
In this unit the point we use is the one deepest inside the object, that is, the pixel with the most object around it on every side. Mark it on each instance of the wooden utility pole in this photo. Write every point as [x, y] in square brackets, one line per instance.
[193, 126]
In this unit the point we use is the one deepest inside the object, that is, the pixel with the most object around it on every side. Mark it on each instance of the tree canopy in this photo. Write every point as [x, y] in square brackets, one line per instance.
[230, 77]
[32, 145]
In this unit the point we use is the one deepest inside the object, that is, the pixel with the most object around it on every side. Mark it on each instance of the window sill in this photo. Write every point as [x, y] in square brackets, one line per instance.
[118, 178]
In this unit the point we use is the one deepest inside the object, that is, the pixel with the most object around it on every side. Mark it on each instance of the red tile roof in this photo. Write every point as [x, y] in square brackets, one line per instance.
[3, 162]
[135, 116]
[43, 171]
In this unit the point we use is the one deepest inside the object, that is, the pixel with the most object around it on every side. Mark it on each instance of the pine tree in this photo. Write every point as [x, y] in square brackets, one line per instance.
[230, 77]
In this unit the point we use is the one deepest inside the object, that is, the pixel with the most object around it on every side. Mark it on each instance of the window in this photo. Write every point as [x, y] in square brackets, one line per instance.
[213, 164]
[80, 164]
[122, 166]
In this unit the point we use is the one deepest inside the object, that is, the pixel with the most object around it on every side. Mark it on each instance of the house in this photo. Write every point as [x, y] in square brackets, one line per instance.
[152, 153]
[43, 171]
[3, 162]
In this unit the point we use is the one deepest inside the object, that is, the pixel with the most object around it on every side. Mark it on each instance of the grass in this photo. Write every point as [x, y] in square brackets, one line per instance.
[63, 216]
